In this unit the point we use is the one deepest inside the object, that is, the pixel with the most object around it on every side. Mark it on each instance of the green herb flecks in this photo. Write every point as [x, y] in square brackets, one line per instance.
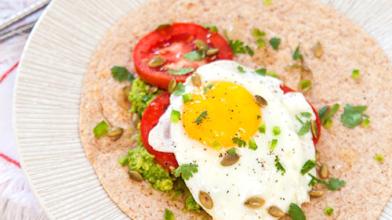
[279, 167]
[353, 115]
[356, 74]
[275, 43]
[238, 141]
[259, 37]
[201, 117]
[333, 184]
[179, 89]
[328, 211]
[194, 56]
[175, 116]
[191, 204]
[326, 114]
[305, 85]
[310, 164]
[296, 213]
[252, 144]
[276, 131]
[187, 97]
[211, 28]
[272, 144]
[305, 128]
[267, 2]
[239, 47]
[297, 56]
[181, 71]
[241, 69]
[262, 128]
[169, 215]
[379, 158]
[231, 151]
[186, 171]
[121, 74]
[101, 129]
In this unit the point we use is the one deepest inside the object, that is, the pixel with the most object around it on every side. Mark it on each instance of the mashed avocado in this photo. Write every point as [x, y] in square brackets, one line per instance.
[141, 95]
[139, 160]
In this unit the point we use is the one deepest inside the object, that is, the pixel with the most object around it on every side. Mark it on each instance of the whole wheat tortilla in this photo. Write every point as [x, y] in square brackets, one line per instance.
[348, 152]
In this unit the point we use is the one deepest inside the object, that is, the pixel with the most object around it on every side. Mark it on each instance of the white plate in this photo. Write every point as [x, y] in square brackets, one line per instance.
[48, 93]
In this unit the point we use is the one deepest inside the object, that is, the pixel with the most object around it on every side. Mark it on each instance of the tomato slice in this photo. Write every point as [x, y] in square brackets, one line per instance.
[316, 138]
[170, 43]
[150, 118]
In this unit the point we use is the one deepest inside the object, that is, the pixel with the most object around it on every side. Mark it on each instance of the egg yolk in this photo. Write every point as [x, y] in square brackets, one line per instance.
[224, 111]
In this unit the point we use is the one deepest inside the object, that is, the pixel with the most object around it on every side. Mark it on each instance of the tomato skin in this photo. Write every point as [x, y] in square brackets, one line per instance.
[149, 119]
[184, 33]
[287, 89]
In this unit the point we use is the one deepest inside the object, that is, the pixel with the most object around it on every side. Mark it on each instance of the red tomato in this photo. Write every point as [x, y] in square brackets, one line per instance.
[171, 42]
[149, 119]
[287, 89]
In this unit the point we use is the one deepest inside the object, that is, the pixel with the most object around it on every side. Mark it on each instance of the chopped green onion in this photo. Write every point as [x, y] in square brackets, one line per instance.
[262, 128]
[261, 71]
[379, 158]
[252, 144]
[187, 97]
[101, 129]
[310, 164]
[272, 144]
[328, 211]
[279, 166]
[175, 116]
[231, 151]
[241, 69]
[238, 141]
[356, 74]
[276, 130]
[201, 117]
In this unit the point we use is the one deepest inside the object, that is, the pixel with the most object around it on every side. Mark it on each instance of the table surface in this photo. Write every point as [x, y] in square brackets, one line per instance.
[17, 202]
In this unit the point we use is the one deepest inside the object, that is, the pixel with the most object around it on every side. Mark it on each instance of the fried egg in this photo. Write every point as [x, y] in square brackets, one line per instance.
[229, 106]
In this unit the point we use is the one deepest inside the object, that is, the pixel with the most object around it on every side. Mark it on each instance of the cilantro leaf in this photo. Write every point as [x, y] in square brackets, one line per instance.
[186, 171]
[101, 129]
[241, 69]
[121, 74]
[335, 184]
[305, 85]
[261, 71]
[296, 213]
[310, 164]
[353, 115]
[169, 215]
[305, 128]
[191, 204]
[239, 141]
[239, 47]
[326, 114]
[179, 89]
[297, 54]
[181, 71]
[279, 166]
[201, 117]
[194, 55]
[275, 43]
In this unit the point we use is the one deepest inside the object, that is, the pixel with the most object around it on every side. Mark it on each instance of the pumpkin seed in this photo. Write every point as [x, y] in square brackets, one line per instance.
[135, 176]
[201, 45]
[324, 172]
[126, 91]
[115, 133]
[212, 51]
[260, 101]
[316, 193]
[156, 61]
[318, 50]
[285, 217]
[313, 126]
[206, 200]
[229, 159]
[153, 89]
[254, 202]
[172, 85]
[196, 80]
[275, 211]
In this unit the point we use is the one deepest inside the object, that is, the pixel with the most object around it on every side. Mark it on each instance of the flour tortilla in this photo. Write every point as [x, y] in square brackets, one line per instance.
[348, 152]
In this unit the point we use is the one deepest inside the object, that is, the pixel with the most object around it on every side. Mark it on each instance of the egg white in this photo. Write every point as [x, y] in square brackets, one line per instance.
[255, 174]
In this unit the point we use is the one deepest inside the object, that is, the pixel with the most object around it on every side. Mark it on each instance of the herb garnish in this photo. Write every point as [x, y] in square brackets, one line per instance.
[356, 74]
[296, 213]
[272, 144]
[310, 164]
[175, 116]
[297, 54]
[101, 129]
[332, 184]
[276, 131]
[275, 43]
[279, 166]
[259, 35]
[305, 85]
[252, 144]
[179, 89]
[169, 215]
[121, 74]
[231, 151]
[181, 71]
[186, 171]
[239, 141]
[187, 97]
[379, 158]
[267, 2]
[239, 47]
[211, 28]
[326, 114]
[241, 69]
[201, 117]
[328, 211]
[353, 115]
[305, 128]
[262, 128]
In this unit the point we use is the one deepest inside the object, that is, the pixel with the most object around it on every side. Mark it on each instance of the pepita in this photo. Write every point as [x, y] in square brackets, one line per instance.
[172, 85]
[156, 61]
[229, 159]
[115, 133]
[135, 176]
[206, 200]
[201, 45]
[212, 51]
[316, 193]
[313, 126]
[254, 202]
[285, 217]
[275, 211]
[260, 101]
[318, 50]
[196, 80]
[324, 172]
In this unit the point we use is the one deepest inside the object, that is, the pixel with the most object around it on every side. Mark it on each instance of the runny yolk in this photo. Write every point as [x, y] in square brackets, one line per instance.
[224, 111]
